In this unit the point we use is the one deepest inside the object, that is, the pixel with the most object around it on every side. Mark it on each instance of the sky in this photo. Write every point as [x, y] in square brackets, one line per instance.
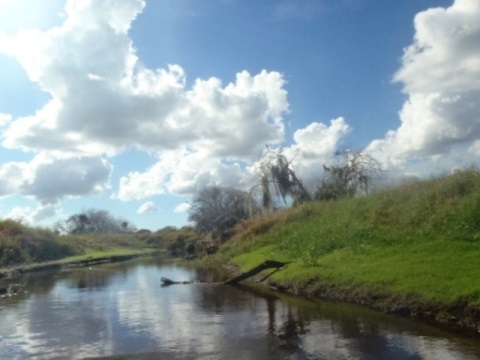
[131, 106]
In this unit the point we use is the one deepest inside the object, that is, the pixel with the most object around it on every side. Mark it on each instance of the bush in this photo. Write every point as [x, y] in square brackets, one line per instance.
[179, 242]
[23, 244]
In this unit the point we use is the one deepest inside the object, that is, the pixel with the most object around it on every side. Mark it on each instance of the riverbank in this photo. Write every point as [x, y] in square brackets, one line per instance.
[411, 251]
[78, 261]
[462, 313]
[24, 248]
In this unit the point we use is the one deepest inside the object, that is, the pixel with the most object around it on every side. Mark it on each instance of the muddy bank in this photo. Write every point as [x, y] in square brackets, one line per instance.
[459, 315]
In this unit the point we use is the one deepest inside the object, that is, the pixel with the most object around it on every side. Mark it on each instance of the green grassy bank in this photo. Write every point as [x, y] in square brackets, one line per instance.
[22, 246]
[413, 249]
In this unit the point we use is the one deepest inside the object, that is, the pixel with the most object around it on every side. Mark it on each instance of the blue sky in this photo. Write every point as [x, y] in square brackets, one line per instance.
[131, 106]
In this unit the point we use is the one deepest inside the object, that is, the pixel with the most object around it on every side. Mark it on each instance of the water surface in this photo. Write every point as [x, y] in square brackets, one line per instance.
[121, 311]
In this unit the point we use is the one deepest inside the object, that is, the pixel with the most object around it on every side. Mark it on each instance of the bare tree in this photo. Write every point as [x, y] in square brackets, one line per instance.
[217, 208]
[354, 175]
[94, 221]
[277, 174]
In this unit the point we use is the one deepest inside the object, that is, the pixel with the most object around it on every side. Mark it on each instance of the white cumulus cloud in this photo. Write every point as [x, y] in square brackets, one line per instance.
[147, 207]
[49, 179]
[104, 101]
[182, 208]
[5, 119]
[31, 215]
[186, 172]
[314, 146]
[440, 120]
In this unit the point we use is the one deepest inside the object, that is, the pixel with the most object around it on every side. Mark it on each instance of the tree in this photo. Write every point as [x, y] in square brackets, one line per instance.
[354, 175]
[94, 221]
[276, 173]
[218, 208]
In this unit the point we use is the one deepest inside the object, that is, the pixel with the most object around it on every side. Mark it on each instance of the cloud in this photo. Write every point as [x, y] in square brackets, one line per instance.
[316, 145]
[313, 146]
[5, 119]
[180, 172]
[147, 207]
[318, 140]
[182, 208]
[186, 172]
[15, 14]
[440, 121]
[30, 215]
[55, 179]
[103, 100]
[12, 177]
[49, 179]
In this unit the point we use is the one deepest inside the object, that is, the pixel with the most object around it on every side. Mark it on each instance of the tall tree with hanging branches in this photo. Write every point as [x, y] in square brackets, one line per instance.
[277, 175]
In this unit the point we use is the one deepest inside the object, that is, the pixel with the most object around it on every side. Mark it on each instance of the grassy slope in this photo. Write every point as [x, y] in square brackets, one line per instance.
[420, 241]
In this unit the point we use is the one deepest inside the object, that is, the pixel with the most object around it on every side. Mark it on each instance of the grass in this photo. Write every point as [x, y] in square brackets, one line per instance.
[92, 254]
[420, 239]
[89, 255]
[21, 245]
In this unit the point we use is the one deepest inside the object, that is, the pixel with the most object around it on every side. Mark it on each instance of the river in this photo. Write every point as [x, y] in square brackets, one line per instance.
[121, 311]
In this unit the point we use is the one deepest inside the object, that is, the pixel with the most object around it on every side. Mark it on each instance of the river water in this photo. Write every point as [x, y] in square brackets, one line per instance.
[121, 311]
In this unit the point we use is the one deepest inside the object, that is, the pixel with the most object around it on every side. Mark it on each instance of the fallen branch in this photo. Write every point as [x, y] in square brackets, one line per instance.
[268, 264]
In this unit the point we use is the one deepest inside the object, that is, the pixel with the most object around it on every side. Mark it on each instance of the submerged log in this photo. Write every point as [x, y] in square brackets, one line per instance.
[268, 264]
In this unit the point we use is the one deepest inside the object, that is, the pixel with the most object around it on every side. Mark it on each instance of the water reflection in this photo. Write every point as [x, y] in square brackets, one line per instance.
[122, 311]
[89, 281]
